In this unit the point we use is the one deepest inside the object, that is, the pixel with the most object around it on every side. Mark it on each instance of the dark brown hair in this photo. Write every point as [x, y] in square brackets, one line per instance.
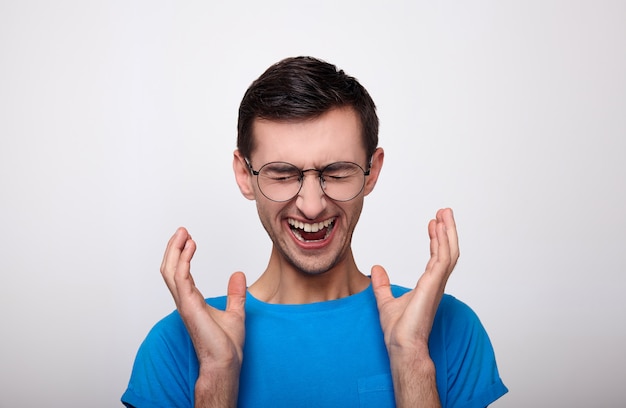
[302, 88]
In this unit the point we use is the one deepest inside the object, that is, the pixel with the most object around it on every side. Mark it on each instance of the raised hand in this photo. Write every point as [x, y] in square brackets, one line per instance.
[407, 320]
[218, 336]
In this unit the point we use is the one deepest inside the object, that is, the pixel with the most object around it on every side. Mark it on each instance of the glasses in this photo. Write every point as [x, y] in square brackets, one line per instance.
[280, 181]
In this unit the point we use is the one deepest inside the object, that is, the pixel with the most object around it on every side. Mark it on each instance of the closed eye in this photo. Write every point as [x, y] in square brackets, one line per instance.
[280, 172]
[339, 171]
[288, 177]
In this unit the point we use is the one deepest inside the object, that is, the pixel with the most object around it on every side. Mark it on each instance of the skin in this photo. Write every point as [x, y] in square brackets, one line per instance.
[299, 273]
[296, 274]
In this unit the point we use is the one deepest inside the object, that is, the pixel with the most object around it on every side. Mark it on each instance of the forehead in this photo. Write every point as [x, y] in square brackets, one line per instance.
[336, 135]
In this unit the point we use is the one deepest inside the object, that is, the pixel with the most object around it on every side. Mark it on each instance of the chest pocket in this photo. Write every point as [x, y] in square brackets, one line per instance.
[376, 392]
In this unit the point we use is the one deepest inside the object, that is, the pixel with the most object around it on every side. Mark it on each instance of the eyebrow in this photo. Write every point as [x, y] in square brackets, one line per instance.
[280, 166]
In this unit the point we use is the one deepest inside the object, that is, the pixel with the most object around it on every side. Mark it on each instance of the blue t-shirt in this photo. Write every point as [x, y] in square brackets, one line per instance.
[326, 354]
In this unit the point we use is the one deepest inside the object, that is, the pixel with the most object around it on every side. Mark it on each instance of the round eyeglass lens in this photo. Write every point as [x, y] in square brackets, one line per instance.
[279, 181]
[342, 181]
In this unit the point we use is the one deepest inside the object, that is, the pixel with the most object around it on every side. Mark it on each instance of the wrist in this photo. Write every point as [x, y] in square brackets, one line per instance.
[409, 351]
[217, 388]
[415, 359]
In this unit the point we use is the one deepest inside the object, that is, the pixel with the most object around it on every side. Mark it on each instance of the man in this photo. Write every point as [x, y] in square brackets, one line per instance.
[313, 330]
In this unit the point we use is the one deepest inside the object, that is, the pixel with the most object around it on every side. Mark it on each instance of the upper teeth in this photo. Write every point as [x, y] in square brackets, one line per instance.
[306, 227]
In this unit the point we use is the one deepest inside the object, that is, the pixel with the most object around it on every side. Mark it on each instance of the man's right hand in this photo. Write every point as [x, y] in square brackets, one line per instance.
[218, 336]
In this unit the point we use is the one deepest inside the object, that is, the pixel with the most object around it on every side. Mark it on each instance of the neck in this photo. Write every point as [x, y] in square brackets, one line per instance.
[283, 283]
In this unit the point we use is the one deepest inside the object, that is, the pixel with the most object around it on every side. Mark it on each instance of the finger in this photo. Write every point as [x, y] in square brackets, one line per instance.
[432, 234]
[439, 264]
[434, 244]
[431, 284]
[172, 251]
[447, 217]
[190, 302]
[183, 280]
[236, 298]
[381, 285]
[171, 257]
[443, 246]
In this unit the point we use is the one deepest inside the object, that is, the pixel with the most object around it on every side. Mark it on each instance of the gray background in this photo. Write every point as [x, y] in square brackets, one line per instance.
[117, 125]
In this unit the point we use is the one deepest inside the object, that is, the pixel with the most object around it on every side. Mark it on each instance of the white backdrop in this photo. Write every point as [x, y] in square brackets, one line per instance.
[117, 125]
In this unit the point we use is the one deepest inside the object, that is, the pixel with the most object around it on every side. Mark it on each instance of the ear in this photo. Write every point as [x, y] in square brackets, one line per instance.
[243, 175]
[377, 164]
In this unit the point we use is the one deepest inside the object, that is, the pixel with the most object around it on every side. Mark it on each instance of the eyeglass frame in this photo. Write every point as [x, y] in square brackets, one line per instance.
[301, 178]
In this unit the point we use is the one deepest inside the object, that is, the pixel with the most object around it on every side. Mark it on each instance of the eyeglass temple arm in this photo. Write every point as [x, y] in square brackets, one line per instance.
[254, 172]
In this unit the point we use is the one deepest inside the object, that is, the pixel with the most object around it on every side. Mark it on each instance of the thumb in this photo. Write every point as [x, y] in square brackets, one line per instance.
[236, 298]
[380, 284]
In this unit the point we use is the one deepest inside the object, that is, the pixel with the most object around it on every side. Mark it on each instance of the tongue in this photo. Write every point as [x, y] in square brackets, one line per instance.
[313, 236]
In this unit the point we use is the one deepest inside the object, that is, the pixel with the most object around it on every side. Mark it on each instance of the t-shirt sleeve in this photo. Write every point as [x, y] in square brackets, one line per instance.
[163, 368]
[470, 377]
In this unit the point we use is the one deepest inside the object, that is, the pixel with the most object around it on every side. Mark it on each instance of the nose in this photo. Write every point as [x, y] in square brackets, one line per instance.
[311, 199]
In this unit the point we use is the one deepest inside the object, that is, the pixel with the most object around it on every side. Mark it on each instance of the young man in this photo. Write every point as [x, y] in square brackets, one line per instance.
[313, 330]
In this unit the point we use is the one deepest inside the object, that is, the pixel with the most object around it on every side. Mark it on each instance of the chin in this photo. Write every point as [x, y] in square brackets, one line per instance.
[313, 268]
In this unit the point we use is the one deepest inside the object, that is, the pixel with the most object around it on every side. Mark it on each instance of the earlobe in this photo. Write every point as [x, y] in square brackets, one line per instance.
[243, 175]
[376, 166]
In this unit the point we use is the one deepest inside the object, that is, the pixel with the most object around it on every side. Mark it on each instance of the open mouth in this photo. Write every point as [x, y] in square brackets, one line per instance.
[317, 231]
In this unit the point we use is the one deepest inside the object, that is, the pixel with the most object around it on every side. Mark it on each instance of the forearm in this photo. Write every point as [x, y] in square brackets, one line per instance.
[414, 381]
[217, 390]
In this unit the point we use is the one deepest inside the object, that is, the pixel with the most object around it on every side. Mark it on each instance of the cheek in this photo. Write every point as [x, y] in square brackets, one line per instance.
[353, 211]
[261, 208]
[269, 211]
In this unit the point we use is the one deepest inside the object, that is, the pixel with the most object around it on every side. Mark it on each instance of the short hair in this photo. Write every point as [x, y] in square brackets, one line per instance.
[301, 88]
